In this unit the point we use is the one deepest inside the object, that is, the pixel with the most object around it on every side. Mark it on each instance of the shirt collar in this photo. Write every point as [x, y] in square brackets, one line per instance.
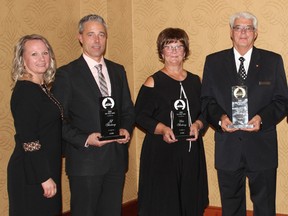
[91, 62]
[247, 55]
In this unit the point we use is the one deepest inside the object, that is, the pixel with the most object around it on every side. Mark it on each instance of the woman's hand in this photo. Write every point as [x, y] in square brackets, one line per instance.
[126, 139]
[166, 132]
[49, 188]
[194, 130]
[168, 135]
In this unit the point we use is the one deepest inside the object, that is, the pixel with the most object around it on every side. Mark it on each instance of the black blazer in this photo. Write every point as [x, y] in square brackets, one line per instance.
[77, 90]
[267, 96]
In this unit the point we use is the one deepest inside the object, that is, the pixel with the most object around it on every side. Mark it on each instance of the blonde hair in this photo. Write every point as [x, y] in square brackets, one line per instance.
[18, 69]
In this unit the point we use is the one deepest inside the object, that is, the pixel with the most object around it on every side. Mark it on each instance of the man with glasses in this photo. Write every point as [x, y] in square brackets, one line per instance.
[244, 92]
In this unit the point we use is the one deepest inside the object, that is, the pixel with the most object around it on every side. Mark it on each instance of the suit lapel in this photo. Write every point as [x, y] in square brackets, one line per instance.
[88, 77]
[231, 68]
[111, 75]
[253, 67]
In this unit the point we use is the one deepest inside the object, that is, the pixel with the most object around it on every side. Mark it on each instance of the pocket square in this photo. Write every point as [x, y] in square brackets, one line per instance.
[264, 83]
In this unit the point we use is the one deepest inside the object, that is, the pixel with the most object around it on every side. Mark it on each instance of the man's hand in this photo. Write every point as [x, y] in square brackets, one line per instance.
[256, 122]
[126, 139]
[93, 139]
[225, 122]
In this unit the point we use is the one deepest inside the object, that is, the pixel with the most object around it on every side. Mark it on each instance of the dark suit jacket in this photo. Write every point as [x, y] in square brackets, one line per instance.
[77, 90]
[267, 95]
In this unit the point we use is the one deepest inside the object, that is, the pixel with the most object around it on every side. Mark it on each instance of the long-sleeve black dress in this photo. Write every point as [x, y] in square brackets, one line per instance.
[173, 180]
[37, 121]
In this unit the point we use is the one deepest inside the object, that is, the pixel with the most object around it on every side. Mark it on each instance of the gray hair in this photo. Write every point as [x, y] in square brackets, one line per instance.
[245, 15]
[91, 17]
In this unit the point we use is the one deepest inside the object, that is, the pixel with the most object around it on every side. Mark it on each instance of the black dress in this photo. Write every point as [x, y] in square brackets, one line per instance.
[37, 120]
[173, 181]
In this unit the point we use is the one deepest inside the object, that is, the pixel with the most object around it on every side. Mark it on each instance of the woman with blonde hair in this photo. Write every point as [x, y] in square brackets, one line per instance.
[34, 169]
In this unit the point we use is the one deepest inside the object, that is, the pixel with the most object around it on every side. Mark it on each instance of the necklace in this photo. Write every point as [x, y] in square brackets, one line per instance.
[53, 99]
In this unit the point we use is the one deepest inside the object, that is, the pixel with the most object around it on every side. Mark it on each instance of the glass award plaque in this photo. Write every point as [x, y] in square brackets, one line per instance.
[240, 116]
[179, 119]
[109, 119]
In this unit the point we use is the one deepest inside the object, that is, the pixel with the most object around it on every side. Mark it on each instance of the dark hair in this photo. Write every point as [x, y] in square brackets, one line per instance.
[171, 35]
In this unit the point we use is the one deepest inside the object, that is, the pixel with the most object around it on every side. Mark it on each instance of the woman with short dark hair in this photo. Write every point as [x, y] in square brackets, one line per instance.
[173, 178]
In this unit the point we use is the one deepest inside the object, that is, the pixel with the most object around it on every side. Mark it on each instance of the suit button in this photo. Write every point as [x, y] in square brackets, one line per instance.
[240, 138]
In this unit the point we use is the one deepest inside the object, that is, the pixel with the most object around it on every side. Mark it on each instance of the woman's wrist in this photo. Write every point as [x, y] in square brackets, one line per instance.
[199, 124]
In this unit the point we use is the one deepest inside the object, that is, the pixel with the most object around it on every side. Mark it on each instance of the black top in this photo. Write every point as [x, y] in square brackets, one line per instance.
[37, 120]
[173, 181]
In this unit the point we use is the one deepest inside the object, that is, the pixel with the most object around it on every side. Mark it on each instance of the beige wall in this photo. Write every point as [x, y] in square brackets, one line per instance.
[133, 28]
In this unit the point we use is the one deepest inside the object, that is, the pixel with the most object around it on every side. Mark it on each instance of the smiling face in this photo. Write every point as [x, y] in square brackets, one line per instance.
[173, 53]
[93, 39]
[243, 35]
[36, 58]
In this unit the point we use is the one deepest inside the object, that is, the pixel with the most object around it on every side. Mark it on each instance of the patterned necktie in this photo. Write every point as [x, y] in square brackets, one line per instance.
[242, 72]
[102, 82]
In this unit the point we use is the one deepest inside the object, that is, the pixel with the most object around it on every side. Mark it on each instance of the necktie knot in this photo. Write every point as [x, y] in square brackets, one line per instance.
[99, 68]
[241, 59]
[102, 82]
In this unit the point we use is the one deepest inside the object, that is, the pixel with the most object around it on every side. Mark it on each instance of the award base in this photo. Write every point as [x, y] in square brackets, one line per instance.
[241, 126]
[111, 137]
[184, 137]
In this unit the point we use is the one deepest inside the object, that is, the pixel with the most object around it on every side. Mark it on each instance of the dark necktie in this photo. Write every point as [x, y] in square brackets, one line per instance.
[102, 82]
[242, 72]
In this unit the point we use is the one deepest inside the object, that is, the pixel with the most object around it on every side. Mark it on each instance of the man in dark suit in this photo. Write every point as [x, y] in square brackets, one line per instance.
[96, 169]
[249, 150]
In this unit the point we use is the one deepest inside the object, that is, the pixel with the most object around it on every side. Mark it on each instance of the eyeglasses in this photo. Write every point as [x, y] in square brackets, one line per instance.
[169, 48]
[239, 28]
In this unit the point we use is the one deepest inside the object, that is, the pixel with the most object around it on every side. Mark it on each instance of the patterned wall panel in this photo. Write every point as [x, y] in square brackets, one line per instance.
[93, 7]
[133, 29]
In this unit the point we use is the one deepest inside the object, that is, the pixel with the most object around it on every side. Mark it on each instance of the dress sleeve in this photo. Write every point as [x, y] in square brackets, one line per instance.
[26, 109]
[145, 106]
